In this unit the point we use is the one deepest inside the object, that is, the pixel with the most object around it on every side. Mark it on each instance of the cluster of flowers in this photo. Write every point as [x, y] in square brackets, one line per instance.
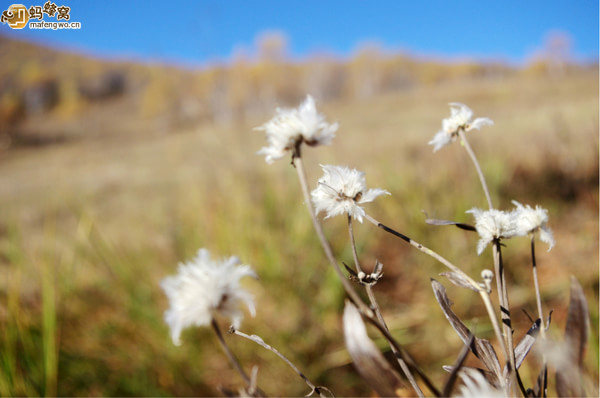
[521, 221]
[204, 288]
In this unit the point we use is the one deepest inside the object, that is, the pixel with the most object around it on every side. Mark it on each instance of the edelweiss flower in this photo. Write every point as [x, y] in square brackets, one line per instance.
[340, 191]
[531, 220]
[460, 117]
[293, 126]
[493, 224]
[204, 287]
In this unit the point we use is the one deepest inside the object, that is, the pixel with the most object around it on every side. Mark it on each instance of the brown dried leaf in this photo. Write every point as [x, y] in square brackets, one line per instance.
[522, 349]
[459, 280]
[460, 225]
[568, 378]
[368, 360]
[481, 348]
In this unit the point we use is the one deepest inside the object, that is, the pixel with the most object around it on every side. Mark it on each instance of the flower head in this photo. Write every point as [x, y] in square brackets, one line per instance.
[460, 117]
[291, 127]
[493, 224]
[204, 287]
[531, 220]
[341, 190]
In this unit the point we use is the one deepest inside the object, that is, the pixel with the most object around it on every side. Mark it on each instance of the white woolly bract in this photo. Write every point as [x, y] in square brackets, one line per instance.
[529, 220]
[493, 224]
[340, 190]
[475, 385]
[460, 117]
[203, 287]
[291, 126]
[440, 140]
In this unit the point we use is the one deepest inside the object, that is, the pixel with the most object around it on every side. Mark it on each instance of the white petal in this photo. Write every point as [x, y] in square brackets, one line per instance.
[460, 113]
[479, 123]
[371, 194]
[481, 245]
[547, 237]
[440, 140]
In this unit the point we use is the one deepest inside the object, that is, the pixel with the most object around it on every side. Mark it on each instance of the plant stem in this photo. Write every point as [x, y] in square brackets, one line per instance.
[236, 364]
[376, 309]
[537, 287]
[484, 295]
[262, 343]
[492, 315]
[504, 308]
[540, 314]
[486, 191]
[297, 162]
[424, 249]
[365, 311]
[353, 244]
[498, 266]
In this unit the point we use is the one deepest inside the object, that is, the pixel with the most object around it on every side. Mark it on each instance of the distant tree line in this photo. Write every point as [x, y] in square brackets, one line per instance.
[40, 82]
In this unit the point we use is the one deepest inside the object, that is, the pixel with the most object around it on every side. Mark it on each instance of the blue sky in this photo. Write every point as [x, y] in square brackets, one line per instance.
[200, 32]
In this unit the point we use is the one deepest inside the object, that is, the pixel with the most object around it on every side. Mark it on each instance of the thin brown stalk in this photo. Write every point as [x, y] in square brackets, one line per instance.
[423, 249]
[297, 162]
[318, 389]
[233, 360]
[492, 315]
[538, 299]
[365, 311]
[377, 310]
[500, 281]
[505, 314]
[353, 244]
[482, 292]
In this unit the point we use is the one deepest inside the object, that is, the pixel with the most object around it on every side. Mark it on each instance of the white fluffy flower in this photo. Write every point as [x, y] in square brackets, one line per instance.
[341, 190]
[460, 117]
[292, 126]
[204, 287]
[476, 386]
[493, 224]
[531, 220]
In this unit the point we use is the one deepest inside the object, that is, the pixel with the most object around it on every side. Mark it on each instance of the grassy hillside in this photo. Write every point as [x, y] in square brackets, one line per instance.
[89, 227]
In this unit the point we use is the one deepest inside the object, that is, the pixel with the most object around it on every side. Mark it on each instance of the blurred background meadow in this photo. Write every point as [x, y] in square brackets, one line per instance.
[118, 162]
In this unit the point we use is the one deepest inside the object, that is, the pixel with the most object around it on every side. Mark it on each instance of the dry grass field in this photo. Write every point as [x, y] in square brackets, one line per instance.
[89, 227]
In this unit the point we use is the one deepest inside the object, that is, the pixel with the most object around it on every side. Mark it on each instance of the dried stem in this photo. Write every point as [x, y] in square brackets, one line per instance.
[424, 249]
[297, 162]
[236, 364]
[464, 141]
[538, 299]
[505, 312]
[492, 315]
[537, 287]
[260, 341]
[376, 309]
[353, 244]
[500, 280]
[365, 311]
[482, 292]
